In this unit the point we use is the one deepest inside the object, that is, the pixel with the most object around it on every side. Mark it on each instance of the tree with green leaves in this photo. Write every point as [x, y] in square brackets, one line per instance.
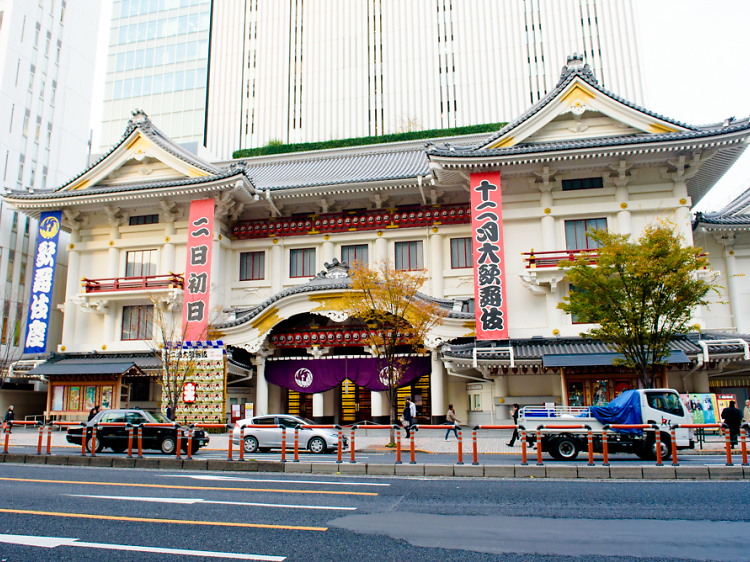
[640, 293]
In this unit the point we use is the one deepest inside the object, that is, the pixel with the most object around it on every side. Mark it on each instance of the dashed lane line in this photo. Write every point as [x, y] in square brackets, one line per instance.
[276, 481]
[193, 501]
[155, 520]
[174, 487]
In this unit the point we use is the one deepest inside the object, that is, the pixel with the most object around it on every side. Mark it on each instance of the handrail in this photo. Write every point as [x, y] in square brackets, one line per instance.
[114, 284]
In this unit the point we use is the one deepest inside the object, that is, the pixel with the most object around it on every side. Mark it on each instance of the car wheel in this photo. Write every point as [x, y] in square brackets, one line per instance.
[168, 446]
[317, 445]
[250, 444]
[99, 445]
[119, 449]
[564, 449]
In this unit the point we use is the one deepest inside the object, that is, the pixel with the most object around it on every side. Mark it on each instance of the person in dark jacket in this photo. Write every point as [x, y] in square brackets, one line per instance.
[10, 415]
[733, 418]
[93, 412]
[513, 437]
[406, 418]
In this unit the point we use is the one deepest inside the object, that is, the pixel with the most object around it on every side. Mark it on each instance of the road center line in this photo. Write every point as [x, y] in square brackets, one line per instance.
[241, 479]
[192, 501]
[173, 487]
[154, 520]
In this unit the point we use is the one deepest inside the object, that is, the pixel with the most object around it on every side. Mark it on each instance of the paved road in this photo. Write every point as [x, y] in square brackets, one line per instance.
[69, 513]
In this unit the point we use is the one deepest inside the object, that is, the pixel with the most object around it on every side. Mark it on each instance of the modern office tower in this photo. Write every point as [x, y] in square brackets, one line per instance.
[313, 71]
[157, 62]
[47, 50]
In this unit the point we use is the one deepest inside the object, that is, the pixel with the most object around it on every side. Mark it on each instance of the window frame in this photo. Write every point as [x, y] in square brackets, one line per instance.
[468, 253]
[418, 251]
[308, 263]
[148, 325]
[576, 184]
[356, 248]
[250, 256]
[152, 264]
[585, 222]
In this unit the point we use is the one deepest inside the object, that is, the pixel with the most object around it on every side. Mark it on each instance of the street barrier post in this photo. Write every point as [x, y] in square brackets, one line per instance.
[524, 460]
[743, 442]
[49, 439]
[242, 444]
[230, 444]
[283, 443]
[94, 442]
[725, 429]
[673, 439]
[398, 443]
[411, 444]
[6, 440]
[41, 438]
[84, 434]
[130, 440]
[657, 440]
[351, 446]
[475, 455]
[340, 445]
[539, 447]
[178, 431]
[460, 446]
[190, 443]
[605, 446]
[590, 439]
[296, 444]
[140, 441]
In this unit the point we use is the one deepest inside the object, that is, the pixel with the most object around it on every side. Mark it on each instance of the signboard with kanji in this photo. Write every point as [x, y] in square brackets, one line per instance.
[490, 293]
[198, 269]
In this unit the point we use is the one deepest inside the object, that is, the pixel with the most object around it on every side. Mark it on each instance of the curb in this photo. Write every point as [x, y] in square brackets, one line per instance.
[553, 471]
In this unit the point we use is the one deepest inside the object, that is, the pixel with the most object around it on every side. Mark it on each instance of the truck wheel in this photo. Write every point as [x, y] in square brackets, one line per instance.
[564, 449]
[648, 452]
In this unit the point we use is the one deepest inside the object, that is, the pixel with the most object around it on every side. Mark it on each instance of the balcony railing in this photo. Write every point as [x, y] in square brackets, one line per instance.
[145, 283]
[536, 260]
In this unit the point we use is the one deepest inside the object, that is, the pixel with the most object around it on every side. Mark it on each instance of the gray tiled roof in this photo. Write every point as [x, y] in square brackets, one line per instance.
[731, 215]
[338, 168]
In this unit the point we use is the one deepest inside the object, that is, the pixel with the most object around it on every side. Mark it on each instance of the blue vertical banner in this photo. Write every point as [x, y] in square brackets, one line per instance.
[42, 282]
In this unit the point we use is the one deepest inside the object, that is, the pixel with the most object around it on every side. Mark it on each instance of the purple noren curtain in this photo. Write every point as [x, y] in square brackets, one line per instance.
[311, 376]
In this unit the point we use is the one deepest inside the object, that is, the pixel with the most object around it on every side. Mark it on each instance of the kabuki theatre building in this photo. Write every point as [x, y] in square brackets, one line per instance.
[254, 253]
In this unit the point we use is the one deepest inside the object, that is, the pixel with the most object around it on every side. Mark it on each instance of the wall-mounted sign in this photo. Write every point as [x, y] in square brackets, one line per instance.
[198, 269]
[474, 386]
[42, 282]
[489, 257]
[188, 393]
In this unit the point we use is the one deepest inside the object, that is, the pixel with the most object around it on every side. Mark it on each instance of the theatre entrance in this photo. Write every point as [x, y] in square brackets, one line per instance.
[356, 403]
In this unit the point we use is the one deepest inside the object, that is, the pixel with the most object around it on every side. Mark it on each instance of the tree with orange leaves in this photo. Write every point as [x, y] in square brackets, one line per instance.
[396, 317]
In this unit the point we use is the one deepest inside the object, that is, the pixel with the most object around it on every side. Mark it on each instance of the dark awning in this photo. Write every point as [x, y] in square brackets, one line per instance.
[72, 367]
[598, 359]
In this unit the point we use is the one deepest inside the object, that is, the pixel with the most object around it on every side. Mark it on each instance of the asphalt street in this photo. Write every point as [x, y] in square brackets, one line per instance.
[87, 513]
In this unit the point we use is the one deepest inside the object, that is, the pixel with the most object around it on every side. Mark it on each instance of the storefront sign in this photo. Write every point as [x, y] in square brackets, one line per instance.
[42, 282]
[489, 257]
[198, 269]
[188, 393]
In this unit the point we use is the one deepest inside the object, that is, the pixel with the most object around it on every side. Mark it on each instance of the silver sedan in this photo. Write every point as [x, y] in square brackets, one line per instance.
[263, 433]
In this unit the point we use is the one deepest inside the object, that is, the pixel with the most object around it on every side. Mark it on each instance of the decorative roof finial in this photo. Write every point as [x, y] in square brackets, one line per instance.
[576, 65]
[139, 116]
[575, 60]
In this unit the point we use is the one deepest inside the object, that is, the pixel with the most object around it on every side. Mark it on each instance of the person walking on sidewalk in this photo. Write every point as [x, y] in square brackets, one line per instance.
[93, 412]
[733, 418]
[10, 415]
[406, 418]
[746, 416]
[513, 437]
[452, 420]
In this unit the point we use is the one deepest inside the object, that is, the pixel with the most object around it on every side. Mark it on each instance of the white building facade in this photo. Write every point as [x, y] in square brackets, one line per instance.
[580, 158]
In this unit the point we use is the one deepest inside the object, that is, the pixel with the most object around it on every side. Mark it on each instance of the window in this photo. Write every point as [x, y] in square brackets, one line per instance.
[135, 418]
[137, 322]
[265, 421]
[576, 237]
[252, 266]
[302, 263]
[25, 130]
[140, 264]
[144, 219]
[350, 254]
[409, 256]
[113, 417]
[582, 183]
[467, 305]
[475, 402]
[665, 402]
[461, 253]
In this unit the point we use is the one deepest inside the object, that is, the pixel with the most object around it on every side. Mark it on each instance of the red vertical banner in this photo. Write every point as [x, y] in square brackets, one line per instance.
[490, 291]
[198, 270]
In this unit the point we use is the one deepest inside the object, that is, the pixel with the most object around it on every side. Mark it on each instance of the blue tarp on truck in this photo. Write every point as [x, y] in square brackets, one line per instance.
[625, 409]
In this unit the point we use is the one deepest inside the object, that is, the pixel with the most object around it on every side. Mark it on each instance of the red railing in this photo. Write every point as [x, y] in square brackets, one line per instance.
[145, 283]
[536, 260]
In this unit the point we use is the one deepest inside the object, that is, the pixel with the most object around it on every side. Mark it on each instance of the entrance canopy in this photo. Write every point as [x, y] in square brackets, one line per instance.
[311, 376]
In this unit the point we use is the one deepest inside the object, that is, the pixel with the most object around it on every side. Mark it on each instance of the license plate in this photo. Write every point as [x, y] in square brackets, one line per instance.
[202, 443]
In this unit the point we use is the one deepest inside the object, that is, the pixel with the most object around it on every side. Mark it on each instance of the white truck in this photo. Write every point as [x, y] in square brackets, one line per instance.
[659, 406]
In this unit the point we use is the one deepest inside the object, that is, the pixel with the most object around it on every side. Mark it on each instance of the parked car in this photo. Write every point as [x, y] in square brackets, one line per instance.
[262, 433]
[163, 439]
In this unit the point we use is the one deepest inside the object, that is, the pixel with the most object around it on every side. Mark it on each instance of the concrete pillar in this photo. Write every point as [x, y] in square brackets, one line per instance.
[438, 395]
[261, 387]
[113, 270]
[328, 251]
[624, 221]
[502, 411]
[741, 323]
[700, 382]
[318, 407]
[682, 212]
[71, 289]
[329, 404]
[274, 399]
[436, 265]
[277, 267]
[549, 235]
[381, 250]
[167, 256]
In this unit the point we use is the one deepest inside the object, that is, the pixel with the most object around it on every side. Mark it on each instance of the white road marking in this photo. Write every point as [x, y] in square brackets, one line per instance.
[191, 501]
[239, 479]
[54, 542]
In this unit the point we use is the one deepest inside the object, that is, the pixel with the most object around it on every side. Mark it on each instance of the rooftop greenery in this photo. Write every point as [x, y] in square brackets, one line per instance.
[274, 147]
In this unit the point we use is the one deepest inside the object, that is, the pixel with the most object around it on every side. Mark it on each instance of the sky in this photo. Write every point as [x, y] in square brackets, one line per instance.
[696, 69]
[695, 66]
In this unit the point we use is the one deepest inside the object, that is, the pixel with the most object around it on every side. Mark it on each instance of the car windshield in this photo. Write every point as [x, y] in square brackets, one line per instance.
[305, 421]
[665, 402]
[160, 418]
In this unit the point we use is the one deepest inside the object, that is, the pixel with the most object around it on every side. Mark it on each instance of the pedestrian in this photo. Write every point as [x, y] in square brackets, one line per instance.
[513, 437]
[169, 413]
[413, 406]
[406, 418]
[93, 412]
[746, 416]
[733, 418]
[10, 415]
[452, 420]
